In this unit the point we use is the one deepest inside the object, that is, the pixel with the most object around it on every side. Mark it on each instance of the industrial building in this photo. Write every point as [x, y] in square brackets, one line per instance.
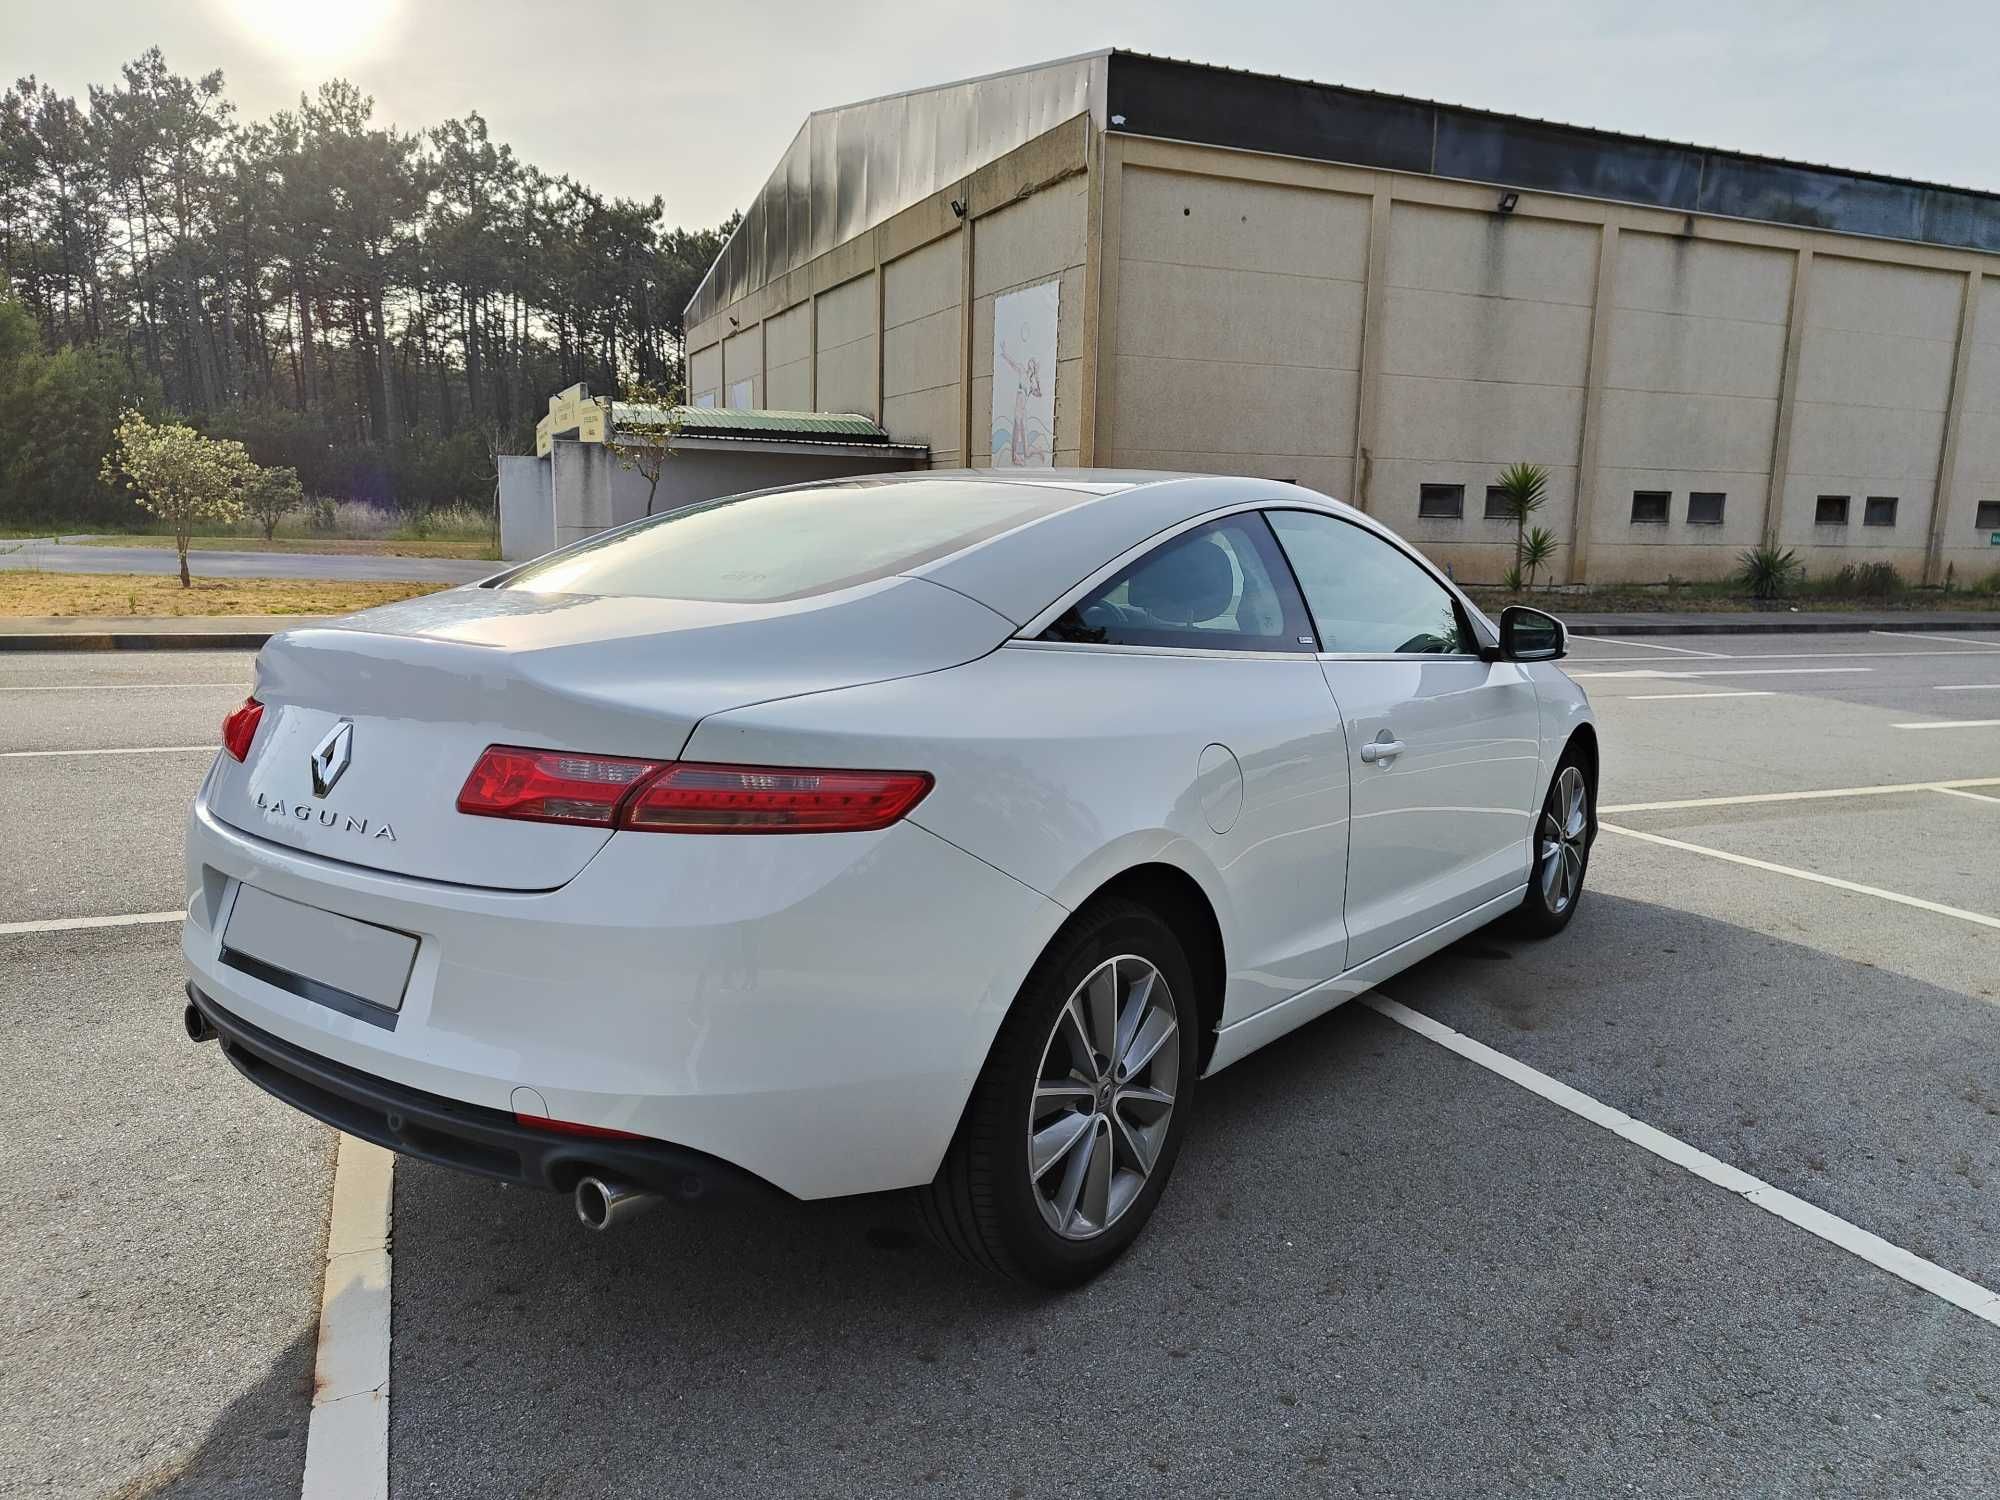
[1125, 261]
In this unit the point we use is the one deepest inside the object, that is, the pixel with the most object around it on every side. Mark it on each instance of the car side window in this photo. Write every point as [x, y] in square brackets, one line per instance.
[1220, 587]
[1365, 595]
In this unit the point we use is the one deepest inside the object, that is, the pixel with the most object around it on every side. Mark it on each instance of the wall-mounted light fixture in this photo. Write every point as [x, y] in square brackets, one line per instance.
[1507, 202]
[958, 208]
[733, 323]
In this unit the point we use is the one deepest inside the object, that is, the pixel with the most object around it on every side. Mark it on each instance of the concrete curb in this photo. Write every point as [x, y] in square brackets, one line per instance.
[134, 640]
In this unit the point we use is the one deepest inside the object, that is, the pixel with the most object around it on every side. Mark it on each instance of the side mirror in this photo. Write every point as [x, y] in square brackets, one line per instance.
[1531, 635]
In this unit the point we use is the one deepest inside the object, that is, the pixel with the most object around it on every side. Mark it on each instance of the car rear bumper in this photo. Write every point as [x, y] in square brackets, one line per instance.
[811, 1010]
[451, 1133]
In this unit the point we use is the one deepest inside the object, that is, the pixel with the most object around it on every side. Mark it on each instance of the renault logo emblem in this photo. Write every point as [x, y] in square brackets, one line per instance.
[330, 759]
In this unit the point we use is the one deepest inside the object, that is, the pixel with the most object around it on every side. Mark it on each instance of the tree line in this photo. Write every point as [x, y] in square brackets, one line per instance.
[381, 310]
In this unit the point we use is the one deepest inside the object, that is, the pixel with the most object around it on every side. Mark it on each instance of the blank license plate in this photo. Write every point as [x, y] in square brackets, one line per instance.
[320, 950]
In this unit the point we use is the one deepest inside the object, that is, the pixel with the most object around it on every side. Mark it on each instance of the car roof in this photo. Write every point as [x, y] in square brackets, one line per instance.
[1020, 572]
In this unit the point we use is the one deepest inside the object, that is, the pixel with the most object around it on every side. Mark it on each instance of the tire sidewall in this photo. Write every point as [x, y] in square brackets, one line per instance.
[1043, 1253]
[1536, 908]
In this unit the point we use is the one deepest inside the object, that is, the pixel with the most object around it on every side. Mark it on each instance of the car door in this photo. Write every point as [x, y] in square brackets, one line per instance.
[1206, 673]
[1444, 746]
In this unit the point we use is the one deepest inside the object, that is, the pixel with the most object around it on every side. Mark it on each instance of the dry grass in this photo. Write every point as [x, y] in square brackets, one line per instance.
[340, 546]
[140, 594]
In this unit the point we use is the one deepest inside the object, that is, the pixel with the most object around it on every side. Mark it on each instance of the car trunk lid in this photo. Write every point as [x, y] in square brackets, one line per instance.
[426, 685]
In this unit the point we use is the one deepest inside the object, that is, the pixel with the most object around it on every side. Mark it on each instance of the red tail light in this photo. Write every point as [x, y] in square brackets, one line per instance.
[550, 786]
[693, 798]
[645, 796]
[239, 728]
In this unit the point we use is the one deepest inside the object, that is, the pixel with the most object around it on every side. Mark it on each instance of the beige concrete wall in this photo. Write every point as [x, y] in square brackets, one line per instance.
[705, 375]
[1693, 375]
[847, 347]
[1485, 349]
[1238, 316]
[788, 348]
[743, 361]
[1975, 472]
[922, 385]
[1875, 376]
[1037, 238]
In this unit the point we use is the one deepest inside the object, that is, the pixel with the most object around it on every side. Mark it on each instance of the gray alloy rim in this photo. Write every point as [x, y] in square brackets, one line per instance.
[1564, 834]
[1104, 1096]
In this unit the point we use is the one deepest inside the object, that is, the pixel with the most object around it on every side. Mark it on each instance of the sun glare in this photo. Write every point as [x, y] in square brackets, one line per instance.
[315, 31]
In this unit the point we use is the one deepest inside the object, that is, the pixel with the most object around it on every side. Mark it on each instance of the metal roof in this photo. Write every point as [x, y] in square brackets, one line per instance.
[757, 422]
[853, 166]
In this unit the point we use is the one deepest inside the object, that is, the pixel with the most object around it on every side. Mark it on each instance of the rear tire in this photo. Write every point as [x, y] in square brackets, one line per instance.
[1562, 839]
[1076, 1120]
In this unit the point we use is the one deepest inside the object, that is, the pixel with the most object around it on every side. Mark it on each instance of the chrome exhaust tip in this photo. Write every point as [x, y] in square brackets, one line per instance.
[602, 1202]
[198, 1029]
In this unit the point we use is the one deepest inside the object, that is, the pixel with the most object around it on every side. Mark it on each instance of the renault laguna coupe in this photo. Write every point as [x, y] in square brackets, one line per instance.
[932, 832]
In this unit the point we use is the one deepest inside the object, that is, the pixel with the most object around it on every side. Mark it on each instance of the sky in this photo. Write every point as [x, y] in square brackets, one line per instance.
[696, 104]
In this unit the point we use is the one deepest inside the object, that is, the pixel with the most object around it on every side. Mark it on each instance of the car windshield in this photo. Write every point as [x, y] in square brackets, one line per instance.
[791, 544]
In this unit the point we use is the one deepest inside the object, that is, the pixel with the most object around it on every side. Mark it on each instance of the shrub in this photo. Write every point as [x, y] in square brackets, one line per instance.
[1769, 572]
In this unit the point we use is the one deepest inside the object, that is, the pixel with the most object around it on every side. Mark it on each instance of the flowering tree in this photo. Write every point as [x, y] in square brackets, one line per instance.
[179, 475]
[272, 495]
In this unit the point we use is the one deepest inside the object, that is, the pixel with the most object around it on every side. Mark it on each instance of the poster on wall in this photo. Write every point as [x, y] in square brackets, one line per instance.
[1024, 377]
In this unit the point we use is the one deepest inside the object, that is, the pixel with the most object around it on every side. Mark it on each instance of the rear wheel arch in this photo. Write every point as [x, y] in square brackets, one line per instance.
[1177, 898]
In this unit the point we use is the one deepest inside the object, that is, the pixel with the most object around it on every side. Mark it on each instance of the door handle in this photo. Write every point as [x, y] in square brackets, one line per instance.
[1382, 750]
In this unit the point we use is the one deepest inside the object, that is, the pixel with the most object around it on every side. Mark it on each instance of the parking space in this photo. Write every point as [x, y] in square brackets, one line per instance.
[1382, 1269]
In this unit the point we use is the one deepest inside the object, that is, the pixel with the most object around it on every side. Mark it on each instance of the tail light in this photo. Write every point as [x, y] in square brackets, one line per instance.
[551, 786]
[694, 798]
[239, 728]
[644, 796]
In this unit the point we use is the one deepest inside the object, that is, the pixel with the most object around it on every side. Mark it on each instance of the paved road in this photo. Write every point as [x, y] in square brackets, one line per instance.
[1381, 1269]
[57, 557]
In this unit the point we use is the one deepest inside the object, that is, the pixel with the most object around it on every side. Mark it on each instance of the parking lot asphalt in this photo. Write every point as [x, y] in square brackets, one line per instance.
[1381, 1269]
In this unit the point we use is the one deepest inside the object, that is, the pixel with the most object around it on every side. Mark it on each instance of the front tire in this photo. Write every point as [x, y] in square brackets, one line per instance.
[1076, 1121]
[1562, 851]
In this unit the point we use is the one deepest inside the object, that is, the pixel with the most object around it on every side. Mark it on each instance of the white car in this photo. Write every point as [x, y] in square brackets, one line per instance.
[932, 832]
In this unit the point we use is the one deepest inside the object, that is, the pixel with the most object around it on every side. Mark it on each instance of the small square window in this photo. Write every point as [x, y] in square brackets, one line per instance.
[1705, 507]
[1831, 511]
[1498, 506]
[1880, 511]
[1441, 502]
[1988, 516]
[1649, 507]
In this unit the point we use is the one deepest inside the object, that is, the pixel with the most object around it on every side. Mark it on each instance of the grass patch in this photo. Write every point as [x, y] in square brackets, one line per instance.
[338, 546]
[30, 592]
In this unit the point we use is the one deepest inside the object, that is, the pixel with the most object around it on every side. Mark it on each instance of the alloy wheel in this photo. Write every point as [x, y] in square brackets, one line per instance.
[1104, 1096]
[1565, 835]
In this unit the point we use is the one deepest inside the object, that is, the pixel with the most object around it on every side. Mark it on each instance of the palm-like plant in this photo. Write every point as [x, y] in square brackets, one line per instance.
[1769, 572]
[1538, 548]
[1524, 488]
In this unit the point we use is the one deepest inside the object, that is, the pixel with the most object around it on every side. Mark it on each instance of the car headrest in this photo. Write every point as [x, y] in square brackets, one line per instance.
[1184, 584]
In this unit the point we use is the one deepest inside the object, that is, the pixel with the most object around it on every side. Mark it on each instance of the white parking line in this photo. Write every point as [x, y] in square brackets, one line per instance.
[1803, 655]
[1951, 724]
[1664, 697]
[1977, 918]
[1981, 1302]
[1650, 646]
[1968, 687]
[113, 687]
[1676, 674]
[77, 924]
[1911, 635]
[1813, 796]
[347, 1435]
[1952, 791]
[134, 750]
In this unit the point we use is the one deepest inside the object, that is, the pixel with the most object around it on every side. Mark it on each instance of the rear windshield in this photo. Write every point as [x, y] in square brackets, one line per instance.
[790, 544]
